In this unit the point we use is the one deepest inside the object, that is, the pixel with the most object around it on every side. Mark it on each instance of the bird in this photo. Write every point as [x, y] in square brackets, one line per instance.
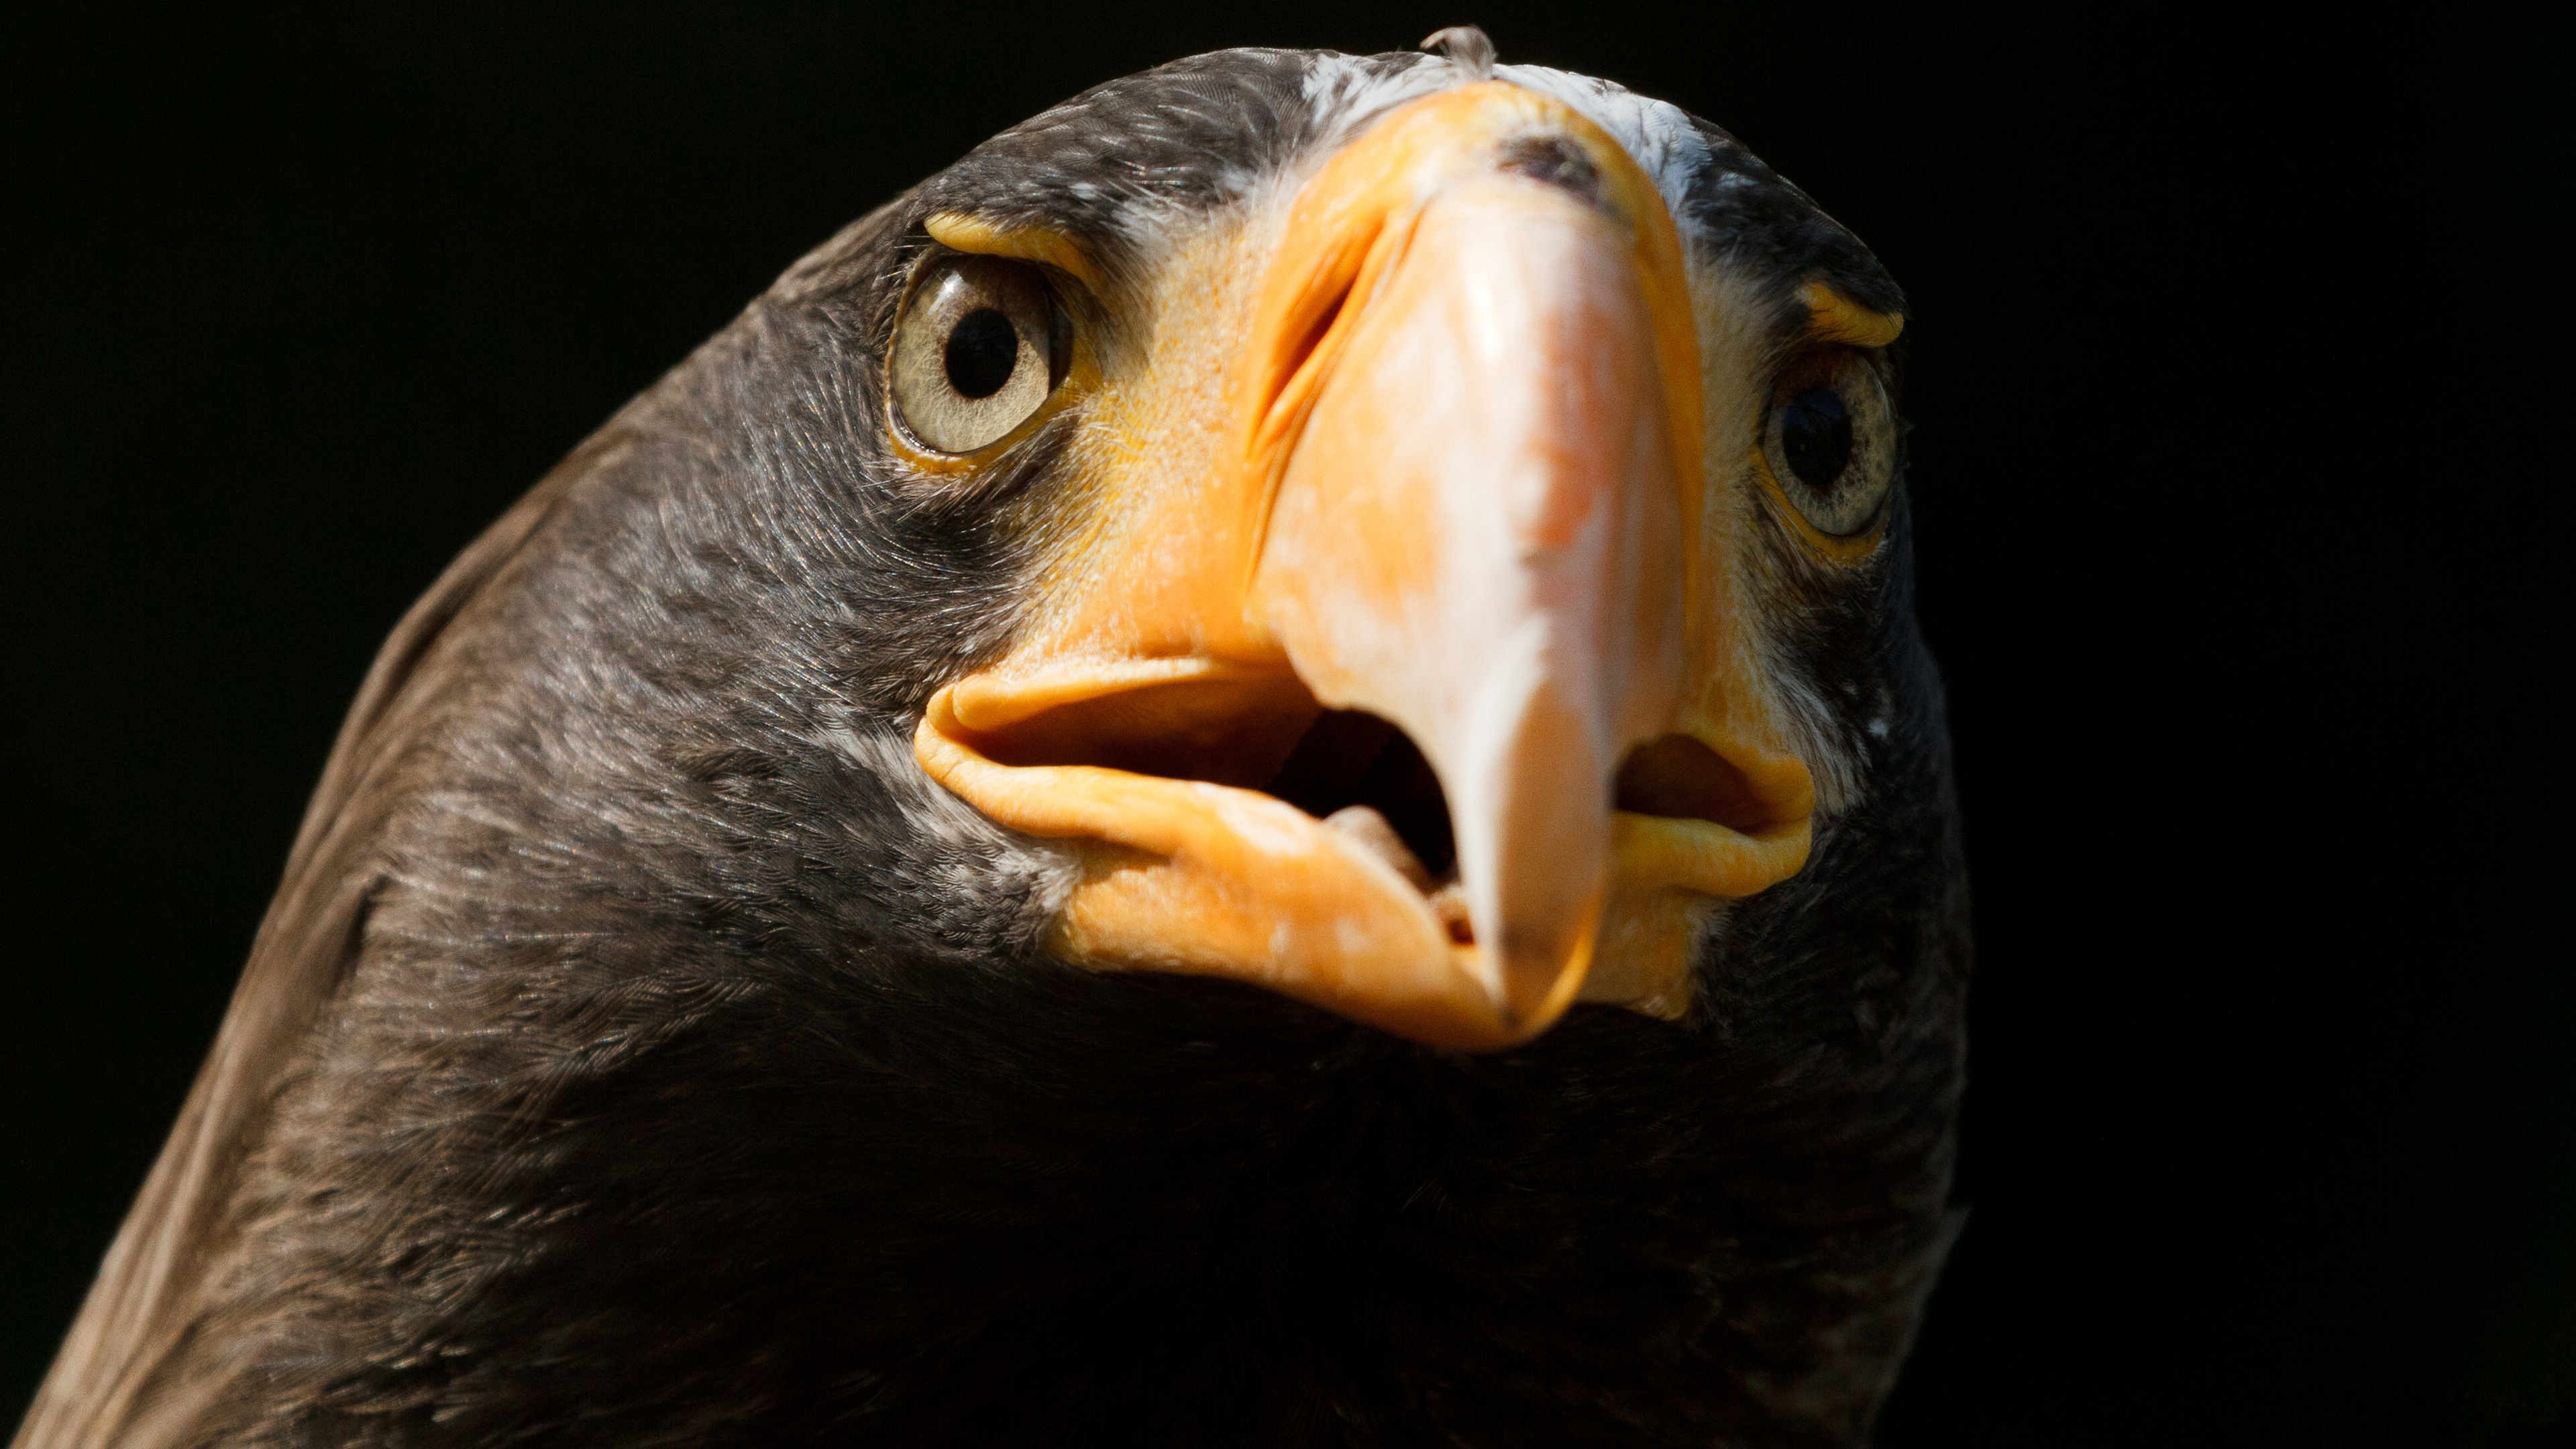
[1256, 769]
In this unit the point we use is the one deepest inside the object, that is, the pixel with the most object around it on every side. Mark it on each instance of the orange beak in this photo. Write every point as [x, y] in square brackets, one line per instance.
[1458, 488]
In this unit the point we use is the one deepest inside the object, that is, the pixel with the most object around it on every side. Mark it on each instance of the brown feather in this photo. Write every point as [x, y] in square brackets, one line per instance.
[140, 1305]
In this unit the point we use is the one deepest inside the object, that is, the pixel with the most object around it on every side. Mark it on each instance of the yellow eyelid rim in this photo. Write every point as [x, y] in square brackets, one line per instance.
[1833, 317]
[1023, 243]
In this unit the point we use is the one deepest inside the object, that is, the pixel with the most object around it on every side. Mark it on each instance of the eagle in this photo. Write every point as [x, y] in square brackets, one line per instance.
[1254, 770]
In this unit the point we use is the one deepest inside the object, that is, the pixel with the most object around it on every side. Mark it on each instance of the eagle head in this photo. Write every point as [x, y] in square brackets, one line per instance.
[1254, 769]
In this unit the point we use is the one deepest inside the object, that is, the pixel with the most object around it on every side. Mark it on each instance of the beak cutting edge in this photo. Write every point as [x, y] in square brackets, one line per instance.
[1461, 491]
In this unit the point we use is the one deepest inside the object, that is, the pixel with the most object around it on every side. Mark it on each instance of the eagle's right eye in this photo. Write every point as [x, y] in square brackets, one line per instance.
[979, 348]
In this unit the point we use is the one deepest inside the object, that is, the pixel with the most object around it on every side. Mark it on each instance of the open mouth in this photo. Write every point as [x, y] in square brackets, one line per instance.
[1365, 777]
[1357, 774]
[1362, 776]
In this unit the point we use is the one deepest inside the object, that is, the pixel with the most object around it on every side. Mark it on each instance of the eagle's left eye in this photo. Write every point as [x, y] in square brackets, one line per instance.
[1830, 440]
[978, 349]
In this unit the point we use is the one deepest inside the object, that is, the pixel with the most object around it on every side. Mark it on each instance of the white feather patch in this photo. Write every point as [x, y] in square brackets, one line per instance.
[1657, 135]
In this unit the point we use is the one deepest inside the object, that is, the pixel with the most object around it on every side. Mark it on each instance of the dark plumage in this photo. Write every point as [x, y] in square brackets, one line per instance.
[641, 1050]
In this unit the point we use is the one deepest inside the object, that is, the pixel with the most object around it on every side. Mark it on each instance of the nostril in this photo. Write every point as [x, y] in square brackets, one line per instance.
[1678, 777]
[1554, 161]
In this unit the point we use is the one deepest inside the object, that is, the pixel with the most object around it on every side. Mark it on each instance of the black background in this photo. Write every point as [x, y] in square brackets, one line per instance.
[2241, 465]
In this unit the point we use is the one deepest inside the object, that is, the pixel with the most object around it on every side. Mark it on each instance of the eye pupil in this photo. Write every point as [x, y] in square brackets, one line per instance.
[1816, 434]
[983, 350]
